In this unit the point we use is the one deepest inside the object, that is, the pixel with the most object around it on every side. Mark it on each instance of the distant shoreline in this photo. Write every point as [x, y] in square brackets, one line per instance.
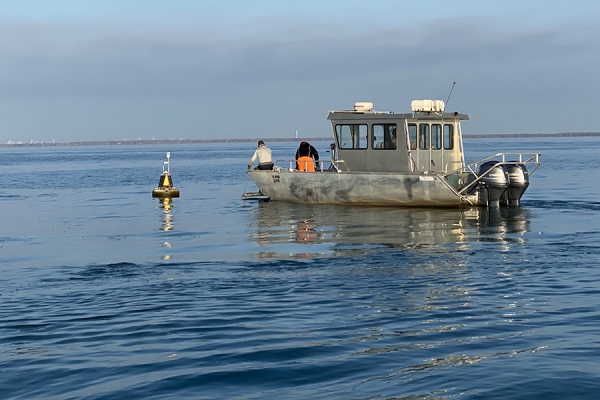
[315, 139]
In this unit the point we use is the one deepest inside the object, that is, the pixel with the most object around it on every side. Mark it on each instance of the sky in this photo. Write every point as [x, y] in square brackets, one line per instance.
[73, 70]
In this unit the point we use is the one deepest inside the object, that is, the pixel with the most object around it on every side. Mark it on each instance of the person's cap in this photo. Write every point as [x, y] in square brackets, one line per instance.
[260, 142]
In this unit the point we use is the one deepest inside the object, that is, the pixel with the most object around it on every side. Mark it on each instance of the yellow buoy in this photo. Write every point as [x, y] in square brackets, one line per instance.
[165, 182]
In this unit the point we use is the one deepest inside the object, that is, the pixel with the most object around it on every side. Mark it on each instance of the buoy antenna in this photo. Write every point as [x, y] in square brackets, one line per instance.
[168, 162]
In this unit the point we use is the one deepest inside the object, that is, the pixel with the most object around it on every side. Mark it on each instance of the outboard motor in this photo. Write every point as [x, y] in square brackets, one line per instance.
[518, 182]
[495, 181]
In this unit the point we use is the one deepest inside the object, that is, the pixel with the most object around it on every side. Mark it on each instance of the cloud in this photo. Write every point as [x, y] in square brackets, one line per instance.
[107, 81]
[50, 60]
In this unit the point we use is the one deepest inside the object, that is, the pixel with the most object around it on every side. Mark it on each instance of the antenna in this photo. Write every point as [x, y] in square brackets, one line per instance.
[449, 94]
[168, 163]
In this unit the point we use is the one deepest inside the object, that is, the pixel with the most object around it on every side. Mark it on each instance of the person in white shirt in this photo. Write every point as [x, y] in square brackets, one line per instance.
[263, 153]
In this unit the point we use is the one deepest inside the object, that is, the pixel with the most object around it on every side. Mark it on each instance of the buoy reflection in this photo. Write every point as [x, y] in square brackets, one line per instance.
[166, 205]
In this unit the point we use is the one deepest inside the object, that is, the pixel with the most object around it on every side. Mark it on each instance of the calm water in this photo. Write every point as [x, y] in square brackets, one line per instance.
[108, 293]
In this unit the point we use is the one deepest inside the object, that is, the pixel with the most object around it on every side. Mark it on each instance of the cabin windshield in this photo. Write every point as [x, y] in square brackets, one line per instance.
[412, 136]
[352, 136]
[448, 137]
[384, 136]
[424, 136]
[436, 136]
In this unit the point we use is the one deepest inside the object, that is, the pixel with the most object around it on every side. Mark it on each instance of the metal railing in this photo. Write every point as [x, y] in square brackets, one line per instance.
[320, 166]
[523, 158]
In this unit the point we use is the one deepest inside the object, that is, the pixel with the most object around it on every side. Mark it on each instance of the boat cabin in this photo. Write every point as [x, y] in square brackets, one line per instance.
[426, 140]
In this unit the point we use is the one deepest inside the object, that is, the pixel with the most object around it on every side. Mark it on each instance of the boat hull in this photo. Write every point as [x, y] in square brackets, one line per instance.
[358, 188]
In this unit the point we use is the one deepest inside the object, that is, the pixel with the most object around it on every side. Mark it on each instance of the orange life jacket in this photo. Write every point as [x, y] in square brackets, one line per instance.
[306, 164]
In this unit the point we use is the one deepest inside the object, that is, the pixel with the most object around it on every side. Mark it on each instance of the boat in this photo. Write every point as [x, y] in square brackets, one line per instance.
[416, 159]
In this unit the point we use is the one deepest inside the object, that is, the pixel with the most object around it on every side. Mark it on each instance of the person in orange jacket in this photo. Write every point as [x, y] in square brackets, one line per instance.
[307, 150]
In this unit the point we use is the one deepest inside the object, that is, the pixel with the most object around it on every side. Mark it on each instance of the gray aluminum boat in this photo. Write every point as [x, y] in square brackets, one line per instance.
[413, 159]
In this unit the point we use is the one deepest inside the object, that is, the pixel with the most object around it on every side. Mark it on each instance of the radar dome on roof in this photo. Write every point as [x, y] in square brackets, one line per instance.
[427, 106]
[363, 106]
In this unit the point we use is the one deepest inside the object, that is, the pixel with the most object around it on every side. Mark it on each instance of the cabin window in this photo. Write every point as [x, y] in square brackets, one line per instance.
[384, 136]
[351, 136]
[448, 137]
[424, 136]
[436, 136]
[412, 136]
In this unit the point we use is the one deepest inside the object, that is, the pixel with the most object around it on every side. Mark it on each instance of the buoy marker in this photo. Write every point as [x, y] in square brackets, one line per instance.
[165, 182]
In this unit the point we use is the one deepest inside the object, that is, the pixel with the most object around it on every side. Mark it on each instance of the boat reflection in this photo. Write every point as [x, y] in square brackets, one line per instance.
[374, 227]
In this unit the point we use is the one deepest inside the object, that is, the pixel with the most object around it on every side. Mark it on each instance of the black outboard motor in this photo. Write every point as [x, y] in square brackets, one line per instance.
[518, 182]
[495, 181]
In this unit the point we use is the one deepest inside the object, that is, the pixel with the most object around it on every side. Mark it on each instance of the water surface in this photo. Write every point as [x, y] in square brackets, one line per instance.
[109, 293]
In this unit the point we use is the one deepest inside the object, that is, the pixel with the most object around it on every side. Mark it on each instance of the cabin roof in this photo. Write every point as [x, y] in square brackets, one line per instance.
[389, 115]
